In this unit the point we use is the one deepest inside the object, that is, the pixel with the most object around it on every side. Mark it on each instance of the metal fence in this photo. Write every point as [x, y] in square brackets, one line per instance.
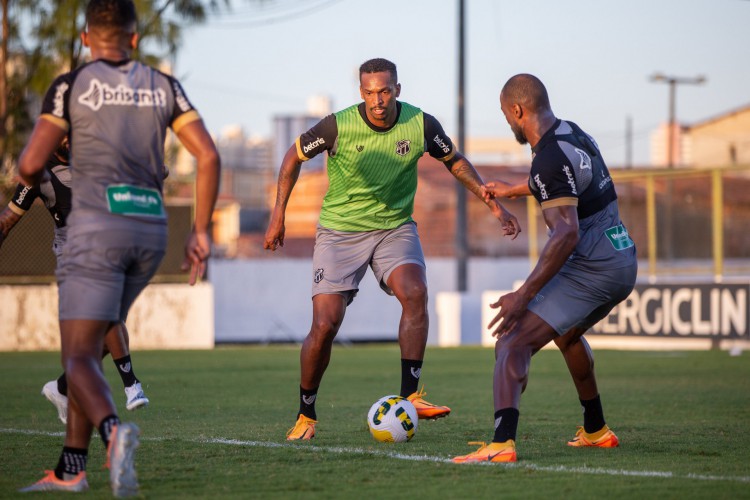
[683, 221]
[26, 255]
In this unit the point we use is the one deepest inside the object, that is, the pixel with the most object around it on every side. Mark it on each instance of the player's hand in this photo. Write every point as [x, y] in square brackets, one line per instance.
[275, 233]
[508, 222]
[512, 306]
[497, 189]
[197, 251]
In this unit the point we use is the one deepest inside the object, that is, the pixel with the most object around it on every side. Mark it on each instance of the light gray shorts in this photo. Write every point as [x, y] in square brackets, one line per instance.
[340, 258]
[103, 268]
[579, 298]
[61, 236]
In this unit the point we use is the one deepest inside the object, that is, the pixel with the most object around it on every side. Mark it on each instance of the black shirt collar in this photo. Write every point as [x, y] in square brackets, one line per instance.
[547, 137]
[363, 114]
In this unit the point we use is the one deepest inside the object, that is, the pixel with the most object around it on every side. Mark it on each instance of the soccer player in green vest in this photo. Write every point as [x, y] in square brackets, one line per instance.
[373, 148]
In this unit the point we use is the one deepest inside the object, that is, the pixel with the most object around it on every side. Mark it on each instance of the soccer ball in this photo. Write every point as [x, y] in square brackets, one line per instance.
[392, 419]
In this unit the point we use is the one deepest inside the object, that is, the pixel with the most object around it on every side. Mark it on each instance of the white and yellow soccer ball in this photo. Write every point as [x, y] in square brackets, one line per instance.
[392, 419]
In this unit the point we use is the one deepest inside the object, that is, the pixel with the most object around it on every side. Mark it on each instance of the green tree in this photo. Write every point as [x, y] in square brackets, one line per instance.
[47, 43]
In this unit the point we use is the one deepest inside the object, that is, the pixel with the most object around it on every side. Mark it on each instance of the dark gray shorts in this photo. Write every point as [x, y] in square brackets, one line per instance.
[578, 298]
[340, 258]
[103, 269]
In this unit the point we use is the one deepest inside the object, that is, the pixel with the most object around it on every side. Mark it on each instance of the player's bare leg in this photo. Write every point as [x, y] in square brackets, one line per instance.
[82, 344]
[580, 360]
[117, 342]
[513, 358]
[328, 314]
[409, 284]
[513, 353]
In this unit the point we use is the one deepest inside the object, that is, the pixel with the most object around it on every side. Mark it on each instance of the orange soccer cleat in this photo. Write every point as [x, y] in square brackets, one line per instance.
[427, 410]
[493, 452]
[603, 438]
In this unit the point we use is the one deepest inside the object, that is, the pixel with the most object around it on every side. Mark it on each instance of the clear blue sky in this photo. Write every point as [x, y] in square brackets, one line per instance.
[595, 58]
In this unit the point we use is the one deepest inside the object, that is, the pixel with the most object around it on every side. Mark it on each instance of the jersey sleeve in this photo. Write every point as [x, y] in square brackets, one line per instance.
[55, 107]
[321, 137]
[551, 180]
[23, 198]
[183, 112]
[437, 143]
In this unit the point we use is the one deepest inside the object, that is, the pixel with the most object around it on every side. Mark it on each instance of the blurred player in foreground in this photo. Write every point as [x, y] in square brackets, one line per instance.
[54, 190]
[373, 148]
[116, 112]
[585, 269]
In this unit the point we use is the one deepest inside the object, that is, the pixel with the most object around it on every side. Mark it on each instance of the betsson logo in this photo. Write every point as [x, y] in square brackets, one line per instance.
[542, 187]
[22, 195]
[309, 147]
[571, 180]
[439, 141]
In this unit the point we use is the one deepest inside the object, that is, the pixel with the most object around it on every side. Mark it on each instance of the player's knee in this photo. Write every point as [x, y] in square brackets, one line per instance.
[325, 327]
[414, 296]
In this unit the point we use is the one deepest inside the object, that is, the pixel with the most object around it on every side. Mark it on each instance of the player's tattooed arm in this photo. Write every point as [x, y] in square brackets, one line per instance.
[464, 171]
[8, 219]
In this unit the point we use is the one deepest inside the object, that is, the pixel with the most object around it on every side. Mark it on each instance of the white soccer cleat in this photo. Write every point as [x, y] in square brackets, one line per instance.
[60, 401]
[136, 397]
[121, 459]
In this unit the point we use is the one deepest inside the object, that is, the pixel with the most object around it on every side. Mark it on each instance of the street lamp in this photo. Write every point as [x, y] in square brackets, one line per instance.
[672, 81]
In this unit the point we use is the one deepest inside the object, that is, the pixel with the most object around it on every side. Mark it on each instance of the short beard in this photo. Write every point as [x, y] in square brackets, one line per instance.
[520, 137]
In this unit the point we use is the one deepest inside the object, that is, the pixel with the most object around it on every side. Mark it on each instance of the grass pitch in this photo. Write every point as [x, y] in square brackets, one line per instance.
[217, 421]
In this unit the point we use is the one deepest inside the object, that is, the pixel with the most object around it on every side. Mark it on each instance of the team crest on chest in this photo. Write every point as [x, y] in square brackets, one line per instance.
[403, 147]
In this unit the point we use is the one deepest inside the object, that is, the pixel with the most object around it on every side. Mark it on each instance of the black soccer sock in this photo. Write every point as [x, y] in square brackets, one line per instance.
[593, 415]
[62, 385]
[307, 399]
[125, 369]
[411, 370]
[105, 428]
[72, 461]
[506, 425]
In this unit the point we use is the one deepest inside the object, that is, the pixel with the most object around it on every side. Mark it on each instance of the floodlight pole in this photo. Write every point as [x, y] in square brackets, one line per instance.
[462, 247]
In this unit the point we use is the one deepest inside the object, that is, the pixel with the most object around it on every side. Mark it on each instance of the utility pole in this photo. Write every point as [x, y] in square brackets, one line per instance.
[673, 81]
[628, 141]
[462, 247]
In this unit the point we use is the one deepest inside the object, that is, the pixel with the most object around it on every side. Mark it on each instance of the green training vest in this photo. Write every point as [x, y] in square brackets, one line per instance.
[372, 178]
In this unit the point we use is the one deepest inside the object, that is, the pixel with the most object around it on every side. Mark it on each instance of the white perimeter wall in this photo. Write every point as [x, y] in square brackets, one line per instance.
[164, 316]
[269, 300]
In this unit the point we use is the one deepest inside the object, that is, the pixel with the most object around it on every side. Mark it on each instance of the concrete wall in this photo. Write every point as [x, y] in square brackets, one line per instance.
[163, 317]
[269, 300]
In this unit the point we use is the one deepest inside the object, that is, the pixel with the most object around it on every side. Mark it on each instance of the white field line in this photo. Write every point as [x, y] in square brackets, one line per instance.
[422, 458]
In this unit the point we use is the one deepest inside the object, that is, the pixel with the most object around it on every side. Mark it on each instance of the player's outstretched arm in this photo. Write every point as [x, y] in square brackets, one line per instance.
[467, 175]
[502, 189]
[288, 175]
[198, 142]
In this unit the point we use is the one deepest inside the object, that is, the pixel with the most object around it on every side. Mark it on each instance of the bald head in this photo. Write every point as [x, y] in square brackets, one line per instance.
[528, 91]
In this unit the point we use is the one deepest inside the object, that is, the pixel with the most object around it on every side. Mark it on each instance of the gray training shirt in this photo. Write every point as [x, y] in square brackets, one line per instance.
[117, 114]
